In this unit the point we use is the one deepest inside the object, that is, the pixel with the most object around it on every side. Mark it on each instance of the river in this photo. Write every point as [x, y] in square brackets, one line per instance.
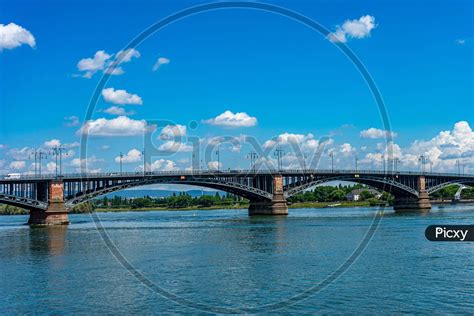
[222, 260]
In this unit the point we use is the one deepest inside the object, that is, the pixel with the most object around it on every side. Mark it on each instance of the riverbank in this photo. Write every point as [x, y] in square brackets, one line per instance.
[9, 210]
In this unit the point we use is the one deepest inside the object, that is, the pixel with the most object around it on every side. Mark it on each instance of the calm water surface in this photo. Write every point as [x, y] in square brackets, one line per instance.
[226, 259]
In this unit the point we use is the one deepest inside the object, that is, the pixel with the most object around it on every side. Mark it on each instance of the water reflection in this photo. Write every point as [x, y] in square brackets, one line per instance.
[49, 240]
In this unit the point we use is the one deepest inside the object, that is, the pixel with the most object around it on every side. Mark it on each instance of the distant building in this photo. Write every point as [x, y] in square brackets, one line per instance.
[355, 195]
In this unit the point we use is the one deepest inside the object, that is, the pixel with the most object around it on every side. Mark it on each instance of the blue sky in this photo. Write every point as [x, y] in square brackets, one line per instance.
[285, 78]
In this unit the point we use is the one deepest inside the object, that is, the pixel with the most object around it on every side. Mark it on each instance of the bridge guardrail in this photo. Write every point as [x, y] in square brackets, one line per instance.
[224, 172]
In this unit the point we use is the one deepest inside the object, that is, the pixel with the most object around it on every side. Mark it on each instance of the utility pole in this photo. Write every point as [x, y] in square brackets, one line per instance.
[144, 162]
[332, 161]
[279, 154]
[423, 161]
[218, 159]
[458, 163]
[253, 158]
[395, 163]
[39, 155]
[384, 162]
[121, 157]
[57, 151]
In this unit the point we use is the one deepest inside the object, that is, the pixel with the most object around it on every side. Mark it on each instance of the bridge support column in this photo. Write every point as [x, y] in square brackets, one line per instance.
[56, 214]
[414, 204]
[277, 206]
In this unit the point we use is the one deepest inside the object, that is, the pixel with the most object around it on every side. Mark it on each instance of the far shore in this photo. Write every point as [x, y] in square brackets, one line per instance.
[239, 206]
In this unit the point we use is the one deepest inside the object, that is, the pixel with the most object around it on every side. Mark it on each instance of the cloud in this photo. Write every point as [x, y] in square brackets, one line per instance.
[52, 143]
[214, 165]
[71, 121]
[229, 119]
[91, 65]
[160, 61]
[2, 146]
[134, 155]
[174, 146]
[442, 151]
[353, 29]
[460, 41]
[119, 126]
[121, 97]
[13, 35]
[20, 153]
[115, 110]
[125, 56]
[105, 147]
[103, 61]
[18, 164]
[51, 166]
[86, 163]
[347, 149]
[162, 165]
[172, 131]
[375, 133]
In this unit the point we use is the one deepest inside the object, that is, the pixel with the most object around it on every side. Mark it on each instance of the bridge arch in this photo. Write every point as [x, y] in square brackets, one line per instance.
[245, 191]
[388, 185]
[23, 202]
[460, 182]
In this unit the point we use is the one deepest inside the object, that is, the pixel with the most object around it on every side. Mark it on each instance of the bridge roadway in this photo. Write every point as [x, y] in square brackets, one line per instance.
[49, 197]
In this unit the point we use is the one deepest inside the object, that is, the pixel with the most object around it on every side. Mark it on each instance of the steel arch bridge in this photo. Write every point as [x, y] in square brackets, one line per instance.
[267, 190]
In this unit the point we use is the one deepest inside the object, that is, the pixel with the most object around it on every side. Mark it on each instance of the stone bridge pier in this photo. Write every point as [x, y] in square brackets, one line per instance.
[414, 204]
[277, 206]
[56, 213]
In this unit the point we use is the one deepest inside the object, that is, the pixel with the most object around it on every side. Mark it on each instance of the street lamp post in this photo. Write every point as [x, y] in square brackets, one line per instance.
[356, 160]
[121, 157]
[144, 162]
[279, 154]
[423, 161]
[395, 164]
[332, 161]
[253, 157]
[218, 160]
[39, 155]
[57, 151]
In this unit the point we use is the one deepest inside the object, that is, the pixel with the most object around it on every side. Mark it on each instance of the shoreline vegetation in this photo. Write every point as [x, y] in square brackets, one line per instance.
[320, 197]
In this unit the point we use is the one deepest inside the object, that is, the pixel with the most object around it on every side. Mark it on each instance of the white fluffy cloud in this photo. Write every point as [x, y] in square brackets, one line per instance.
[13, 35]
[120, 97]
[134, 155]
[119, 126]
[229, 119]
[162, 165]
[442, 151]
[174, 146]
[125, 56]
[18, 164]
[105, 62]
[214, 165]
[159, 62]
[88, 164]
[89, 66]
[358, 28]
[347, 149]
[375, 133]
[115, 110]
[52, 143]
[173, 131]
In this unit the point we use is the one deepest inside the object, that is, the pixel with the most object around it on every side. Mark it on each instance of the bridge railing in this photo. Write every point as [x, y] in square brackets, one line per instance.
[223, 172]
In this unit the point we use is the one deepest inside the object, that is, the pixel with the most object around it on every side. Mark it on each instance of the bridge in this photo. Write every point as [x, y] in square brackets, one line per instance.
[49, 198]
